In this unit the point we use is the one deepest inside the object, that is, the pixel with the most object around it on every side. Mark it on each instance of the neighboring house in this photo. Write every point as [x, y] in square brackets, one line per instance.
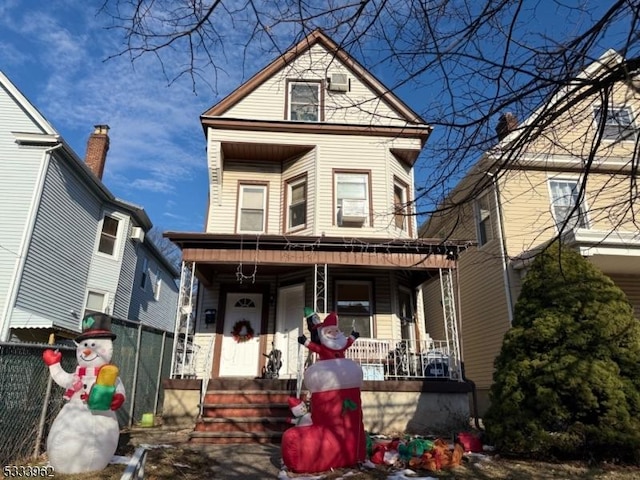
[67, 245]
[311, 170]
[536, 197]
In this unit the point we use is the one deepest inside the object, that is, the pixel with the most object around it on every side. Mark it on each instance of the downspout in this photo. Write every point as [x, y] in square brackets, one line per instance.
[503, 247]
[26, 242]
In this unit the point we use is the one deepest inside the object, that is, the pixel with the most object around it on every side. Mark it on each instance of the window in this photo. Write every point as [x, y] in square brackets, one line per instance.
[618, 124]
[96, 302]
[251, 217]
[405, 312]
[400, 205]
[484, 229]
[297, 199]
[158, 284]
[145, 273]
[108, 235]
[353, 306]
[352, 199]
[304, 101]
[564, 198]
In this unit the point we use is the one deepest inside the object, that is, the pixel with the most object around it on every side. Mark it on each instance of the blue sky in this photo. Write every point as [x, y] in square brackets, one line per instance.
[55, 53]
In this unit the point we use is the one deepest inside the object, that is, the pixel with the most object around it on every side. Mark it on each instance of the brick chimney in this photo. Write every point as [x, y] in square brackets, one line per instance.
[506, 124]
[97, 148]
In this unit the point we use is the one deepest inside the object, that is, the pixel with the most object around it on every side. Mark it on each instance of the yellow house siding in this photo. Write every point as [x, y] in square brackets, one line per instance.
[358, 106]
[484, 316]
[631, 287]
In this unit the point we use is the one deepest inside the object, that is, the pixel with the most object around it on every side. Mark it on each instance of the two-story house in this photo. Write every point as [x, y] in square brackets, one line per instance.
[575, 179]
[311, 166]
[67, 245]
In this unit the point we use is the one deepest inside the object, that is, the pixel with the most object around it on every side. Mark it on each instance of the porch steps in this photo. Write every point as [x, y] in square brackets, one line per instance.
[243, 411]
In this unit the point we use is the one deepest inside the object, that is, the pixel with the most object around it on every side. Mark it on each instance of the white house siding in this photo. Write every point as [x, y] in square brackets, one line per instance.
[58, 261]
[358, 106]
[124, 290]
[366, 153]
[19, 169]
[144, 307]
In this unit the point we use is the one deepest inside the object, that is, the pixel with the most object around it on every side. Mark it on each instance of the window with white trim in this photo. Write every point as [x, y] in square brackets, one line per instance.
[252, 208]
[484, 226]
[564, 199]
[304, 101]
[618, 123]
[96, 303]
[352, 199]
[108, 235]
[297, 199]
[354, 307]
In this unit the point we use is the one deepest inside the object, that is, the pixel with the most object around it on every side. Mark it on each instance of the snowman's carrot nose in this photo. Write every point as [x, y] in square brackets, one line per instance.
[86, 351]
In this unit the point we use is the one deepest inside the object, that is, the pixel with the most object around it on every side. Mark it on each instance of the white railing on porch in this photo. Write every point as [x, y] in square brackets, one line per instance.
[383, 359]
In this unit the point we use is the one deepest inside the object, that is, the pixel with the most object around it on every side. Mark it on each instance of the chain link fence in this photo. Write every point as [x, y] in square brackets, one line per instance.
[30, 401]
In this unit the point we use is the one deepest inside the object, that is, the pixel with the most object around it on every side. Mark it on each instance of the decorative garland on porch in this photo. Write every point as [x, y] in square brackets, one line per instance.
[242, 331]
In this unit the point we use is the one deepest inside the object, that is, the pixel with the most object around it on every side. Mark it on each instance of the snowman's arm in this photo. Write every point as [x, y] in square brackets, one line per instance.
[120, 387]
[62, 378]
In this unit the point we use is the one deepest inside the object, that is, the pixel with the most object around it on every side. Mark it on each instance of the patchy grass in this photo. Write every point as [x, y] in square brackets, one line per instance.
[179, 460]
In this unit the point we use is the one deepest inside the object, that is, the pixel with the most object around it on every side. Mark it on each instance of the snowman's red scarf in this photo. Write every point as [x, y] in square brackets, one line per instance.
[80, 373]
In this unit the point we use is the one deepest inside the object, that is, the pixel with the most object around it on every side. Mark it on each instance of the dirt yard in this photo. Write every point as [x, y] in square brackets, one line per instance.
[171, 458]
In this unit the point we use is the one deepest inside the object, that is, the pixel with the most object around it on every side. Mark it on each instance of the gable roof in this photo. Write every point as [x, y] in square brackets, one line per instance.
[320, 38]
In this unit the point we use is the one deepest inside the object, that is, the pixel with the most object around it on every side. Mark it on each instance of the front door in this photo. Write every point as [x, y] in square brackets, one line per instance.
[240, 355]
[288, 327]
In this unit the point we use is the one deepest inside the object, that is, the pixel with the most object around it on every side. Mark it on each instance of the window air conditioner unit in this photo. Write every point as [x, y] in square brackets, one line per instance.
[137, 234]
[339, 82]
[354, 210]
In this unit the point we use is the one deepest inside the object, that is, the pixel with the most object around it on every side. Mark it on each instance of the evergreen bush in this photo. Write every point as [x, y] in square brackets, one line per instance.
[567, 379]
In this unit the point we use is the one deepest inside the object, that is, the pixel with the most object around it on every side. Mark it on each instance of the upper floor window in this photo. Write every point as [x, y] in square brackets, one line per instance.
[108, 235]
[296, 203]
[484, 228]
[158, 284]
[352, 199]
[568, 211]
[252, 208]
[304, 101]
[354, 307]
[618, 123]
[400, 205]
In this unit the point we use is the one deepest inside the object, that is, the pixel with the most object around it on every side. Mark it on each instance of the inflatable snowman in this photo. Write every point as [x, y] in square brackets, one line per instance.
[84, 436]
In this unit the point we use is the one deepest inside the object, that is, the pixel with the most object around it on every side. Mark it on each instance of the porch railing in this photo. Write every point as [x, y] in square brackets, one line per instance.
[383, 359]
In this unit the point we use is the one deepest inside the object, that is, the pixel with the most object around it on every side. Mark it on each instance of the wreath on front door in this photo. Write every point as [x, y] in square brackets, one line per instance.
[242, 331]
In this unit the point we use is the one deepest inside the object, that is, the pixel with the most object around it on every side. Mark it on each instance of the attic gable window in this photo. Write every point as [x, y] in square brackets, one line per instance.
[304, 101]
[618, 123]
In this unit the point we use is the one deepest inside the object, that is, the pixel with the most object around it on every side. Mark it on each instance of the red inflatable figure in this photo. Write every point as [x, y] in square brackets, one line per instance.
[336, 439]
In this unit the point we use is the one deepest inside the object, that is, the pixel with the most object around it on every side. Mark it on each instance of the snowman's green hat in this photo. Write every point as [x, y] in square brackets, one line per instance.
[308, 311]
